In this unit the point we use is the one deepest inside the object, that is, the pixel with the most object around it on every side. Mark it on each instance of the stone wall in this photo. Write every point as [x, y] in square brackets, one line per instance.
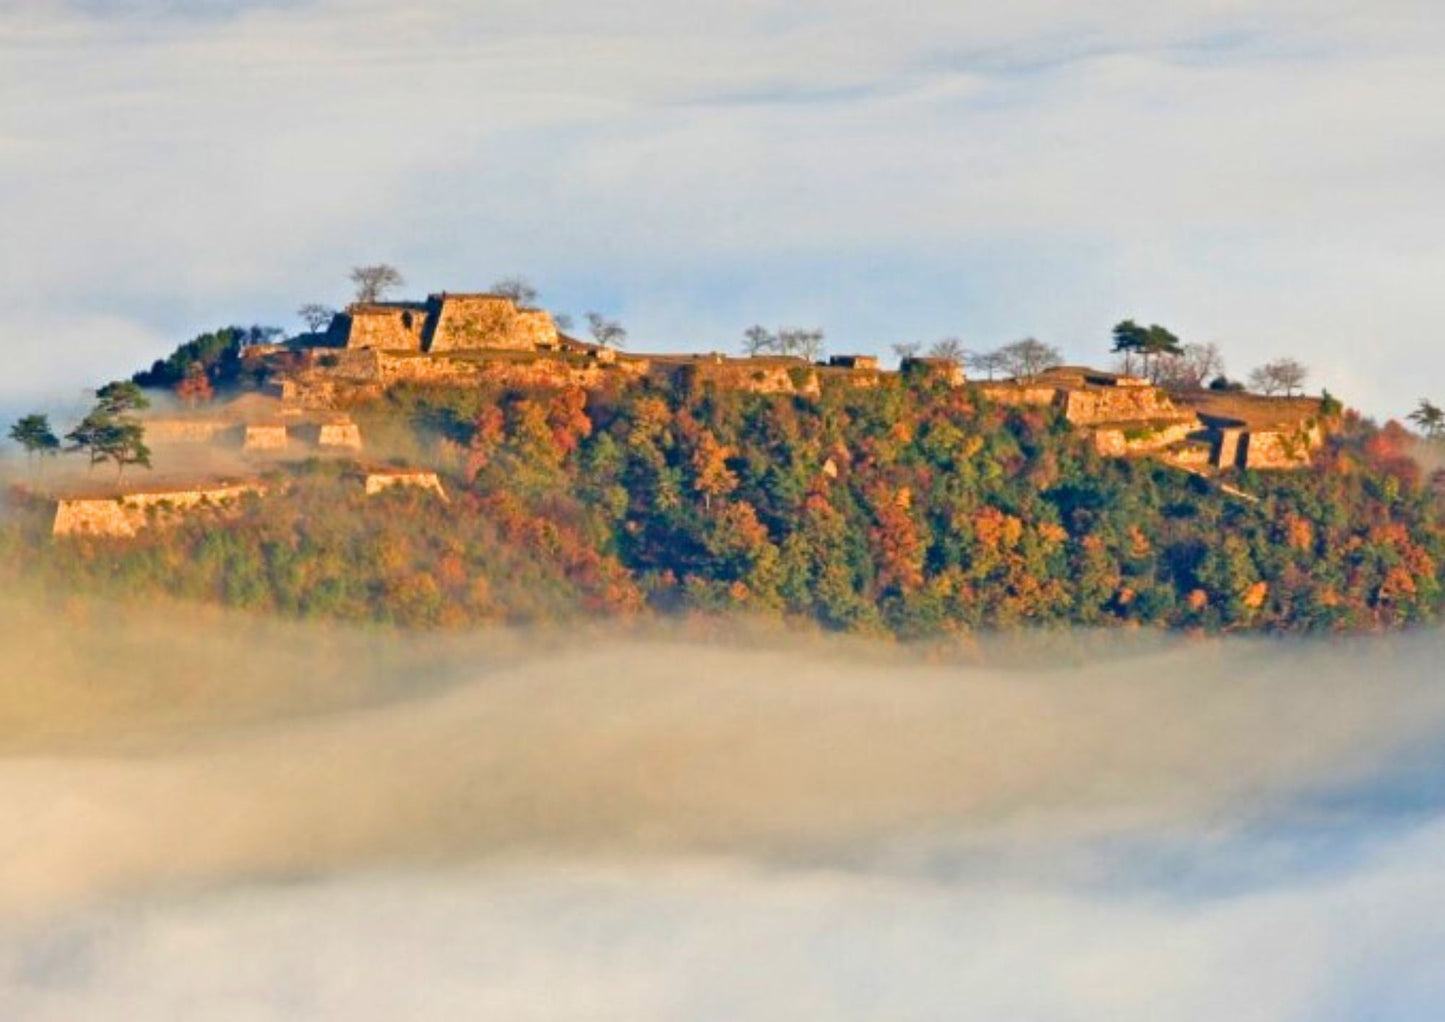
[1089, 406]
[1281, 448]
[945, 369]
[185, 431]
[399, 327]
[1017, 394]
[128, 514]
[382, 481]
[1228, 443]
[1123, 440]
[473, 322]
[754, 375]
[265, 438]
[345, 434]
[542, 371]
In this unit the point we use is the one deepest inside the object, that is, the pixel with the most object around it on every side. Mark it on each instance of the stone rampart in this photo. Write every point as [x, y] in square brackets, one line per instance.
[477, 322]
[1018, 394]
[265, 437]
[1281, 448]
[754, 375]
[127, 514]
[1119, 441]
[1088, 406]
[541, 371]
[185, 431]
[398, 327]
[382, 480]
[345, 434]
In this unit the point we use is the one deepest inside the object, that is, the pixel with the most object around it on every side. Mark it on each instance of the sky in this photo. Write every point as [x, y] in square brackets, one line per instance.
[1263, 175]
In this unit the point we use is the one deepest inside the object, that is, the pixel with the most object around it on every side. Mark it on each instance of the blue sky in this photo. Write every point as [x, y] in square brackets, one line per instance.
[1263, 175]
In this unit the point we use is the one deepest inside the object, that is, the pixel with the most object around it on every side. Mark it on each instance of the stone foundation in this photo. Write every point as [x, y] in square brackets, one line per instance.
[127, 514]
[383, 480]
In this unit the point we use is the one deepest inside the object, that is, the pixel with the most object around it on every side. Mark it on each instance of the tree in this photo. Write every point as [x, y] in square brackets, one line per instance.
[315, 316]
[33, 433]
[1428, 416]
[562, 321]
[517, 289]
[950, 348]
[1190, 368]
[805, 344]
[988, 362]
[106, 438]
[372, 282]
[123, 442]
[196, 387]
[218, 353]
[1027, 358]
[758, 340]
[608, 333]
[1151, 342]
[1129, 339]
[907, 350]
[121, 398]
[1283, 374]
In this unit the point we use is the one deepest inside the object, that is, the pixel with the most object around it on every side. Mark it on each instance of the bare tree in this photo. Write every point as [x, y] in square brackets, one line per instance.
[1191, 369]
[907, 350]
[805, 344]
[990, 363]
[315, 316]
[758, 340]
[608, 333]
[372, 282]
[950, 348]
[1027, 358]
[562, 321]
[517, 289]
[1283, 374]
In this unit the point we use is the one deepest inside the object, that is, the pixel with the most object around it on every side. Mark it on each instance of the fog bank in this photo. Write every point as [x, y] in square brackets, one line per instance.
[303, 822]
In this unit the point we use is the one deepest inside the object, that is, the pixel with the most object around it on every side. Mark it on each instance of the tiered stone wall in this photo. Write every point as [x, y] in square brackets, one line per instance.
[1120, 441]
[128, 514]
[1090, 406]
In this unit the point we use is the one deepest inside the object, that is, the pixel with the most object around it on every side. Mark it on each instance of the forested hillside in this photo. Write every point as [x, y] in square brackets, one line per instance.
[911, 508]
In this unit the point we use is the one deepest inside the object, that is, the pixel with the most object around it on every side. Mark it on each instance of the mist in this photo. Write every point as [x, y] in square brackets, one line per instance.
[293, 821]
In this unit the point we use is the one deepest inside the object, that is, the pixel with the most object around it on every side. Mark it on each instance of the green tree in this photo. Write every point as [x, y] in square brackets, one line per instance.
[33, 433]
[121, 398]
[1430, 418]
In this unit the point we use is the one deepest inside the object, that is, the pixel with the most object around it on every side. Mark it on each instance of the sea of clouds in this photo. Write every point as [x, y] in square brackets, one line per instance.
[211, 815]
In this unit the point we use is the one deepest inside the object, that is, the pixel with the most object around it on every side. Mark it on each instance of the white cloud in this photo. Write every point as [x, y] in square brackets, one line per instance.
[1258, 174]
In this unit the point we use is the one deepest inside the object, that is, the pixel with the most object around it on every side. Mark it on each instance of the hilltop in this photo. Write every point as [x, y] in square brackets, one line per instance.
[462, 459]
